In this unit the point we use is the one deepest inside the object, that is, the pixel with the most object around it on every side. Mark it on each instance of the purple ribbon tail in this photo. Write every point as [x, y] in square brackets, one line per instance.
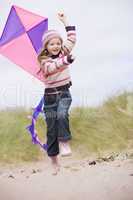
[31, 127]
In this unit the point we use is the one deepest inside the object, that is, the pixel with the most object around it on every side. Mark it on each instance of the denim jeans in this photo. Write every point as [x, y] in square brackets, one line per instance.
[56, 108]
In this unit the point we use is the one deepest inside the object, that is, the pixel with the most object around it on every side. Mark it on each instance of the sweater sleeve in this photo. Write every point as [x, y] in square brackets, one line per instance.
[71, 38]
[50, 66]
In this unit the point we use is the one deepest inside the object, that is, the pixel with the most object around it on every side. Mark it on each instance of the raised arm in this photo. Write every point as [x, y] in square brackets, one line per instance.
[71, 33]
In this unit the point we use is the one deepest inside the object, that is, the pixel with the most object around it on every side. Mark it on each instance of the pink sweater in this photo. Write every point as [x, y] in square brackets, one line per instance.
[56, 71]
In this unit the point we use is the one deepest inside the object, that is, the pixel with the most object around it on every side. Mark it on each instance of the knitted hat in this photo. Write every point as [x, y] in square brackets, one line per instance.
[48, 35]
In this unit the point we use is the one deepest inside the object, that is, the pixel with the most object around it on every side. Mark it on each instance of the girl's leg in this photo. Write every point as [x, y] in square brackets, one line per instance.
[64, 134]
[50, 110]
[55, 165]
[52, 138]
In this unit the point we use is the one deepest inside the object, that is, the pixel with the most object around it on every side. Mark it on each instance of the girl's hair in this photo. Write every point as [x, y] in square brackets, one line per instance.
[44, 54]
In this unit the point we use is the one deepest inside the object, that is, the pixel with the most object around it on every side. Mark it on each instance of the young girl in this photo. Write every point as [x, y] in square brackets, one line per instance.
[54, 60]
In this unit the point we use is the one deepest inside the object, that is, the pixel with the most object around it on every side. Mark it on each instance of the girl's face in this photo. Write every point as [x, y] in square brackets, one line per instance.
[54, 46]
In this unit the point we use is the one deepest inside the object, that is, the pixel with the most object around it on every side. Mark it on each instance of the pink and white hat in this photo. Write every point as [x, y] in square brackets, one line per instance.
[48, 35]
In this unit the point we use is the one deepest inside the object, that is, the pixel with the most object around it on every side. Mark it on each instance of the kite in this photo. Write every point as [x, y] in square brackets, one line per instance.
[21, 42]
[21, 39]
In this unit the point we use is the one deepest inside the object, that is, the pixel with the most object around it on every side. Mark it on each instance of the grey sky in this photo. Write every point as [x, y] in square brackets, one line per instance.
[104, 51]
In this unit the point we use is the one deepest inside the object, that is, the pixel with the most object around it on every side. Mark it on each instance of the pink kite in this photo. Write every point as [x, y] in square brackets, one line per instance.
[21, 42]
[21, 39]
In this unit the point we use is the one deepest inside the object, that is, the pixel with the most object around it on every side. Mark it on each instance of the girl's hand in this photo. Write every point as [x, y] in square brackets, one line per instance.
[63, 18]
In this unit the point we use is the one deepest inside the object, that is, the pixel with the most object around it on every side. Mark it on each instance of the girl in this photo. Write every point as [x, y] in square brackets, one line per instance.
[54, 60]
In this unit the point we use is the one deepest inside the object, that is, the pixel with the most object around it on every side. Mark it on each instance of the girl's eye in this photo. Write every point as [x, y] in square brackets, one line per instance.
[52, 44]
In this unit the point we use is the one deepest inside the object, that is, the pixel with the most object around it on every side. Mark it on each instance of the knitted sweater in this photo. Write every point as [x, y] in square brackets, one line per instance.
[56, 70]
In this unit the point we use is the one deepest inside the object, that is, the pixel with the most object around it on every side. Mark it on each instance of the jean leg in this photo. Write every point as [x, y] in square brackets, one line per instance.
[50, 110]
[64, 133]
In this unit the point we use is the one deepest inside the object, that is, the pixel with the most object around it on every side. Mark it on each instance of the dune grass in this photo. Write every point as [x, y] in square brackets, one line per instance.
[95, 130]
[108, 128]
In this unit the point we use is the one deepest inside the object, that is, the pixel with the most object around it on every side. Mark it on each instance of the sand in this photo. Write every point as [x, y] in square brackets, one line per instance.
[76, 180]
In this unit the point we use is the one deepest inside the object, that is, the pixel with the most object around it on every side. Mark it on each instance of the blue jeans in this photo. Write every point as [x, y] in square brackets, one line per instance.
[56, 108]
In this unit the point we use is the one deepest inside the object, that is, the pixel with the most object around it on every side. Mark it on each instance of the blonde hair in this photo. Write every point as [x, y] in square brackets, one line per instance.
[44, 54]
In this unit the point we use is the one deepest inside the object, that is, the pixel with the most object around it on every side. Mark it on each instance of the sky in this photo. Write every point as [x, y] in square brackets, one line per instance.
[104, 51]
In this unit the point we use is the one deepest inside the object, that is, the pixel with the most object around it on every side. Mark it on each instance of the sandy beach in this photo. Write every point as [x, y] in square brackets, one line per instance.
[77, 179]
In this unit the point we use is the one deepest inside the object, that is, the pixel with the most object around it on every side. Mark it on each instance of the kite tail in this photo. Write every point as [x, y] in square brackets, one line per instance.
[31, 127]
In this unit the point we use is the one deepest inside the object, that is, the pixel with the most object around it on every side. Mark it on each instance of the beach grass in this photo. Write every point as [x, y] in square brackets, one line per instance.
[107, 128]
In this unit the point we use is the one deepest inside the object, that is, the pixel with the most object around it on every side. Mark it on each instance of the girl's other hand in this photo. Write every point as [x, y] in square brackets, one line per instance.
[70, 58]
